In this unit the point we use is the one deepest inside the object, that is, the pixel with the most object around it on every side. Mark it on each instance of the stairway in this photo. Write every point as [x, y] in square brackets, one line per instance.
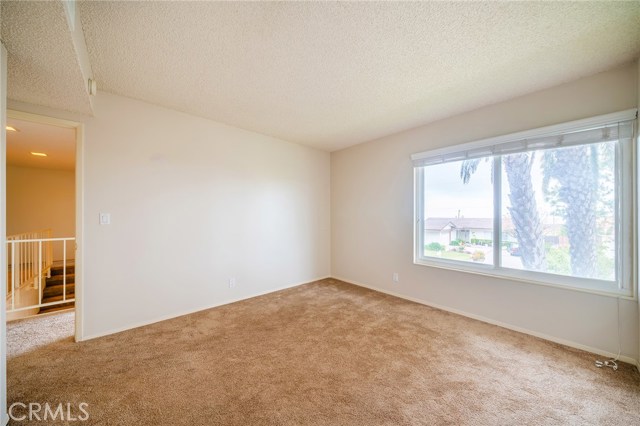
[53, 290]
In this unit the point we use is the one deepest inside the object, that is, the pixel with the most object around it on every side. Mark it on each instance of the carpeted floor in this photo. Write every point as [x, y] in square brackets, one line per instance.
[323, 353]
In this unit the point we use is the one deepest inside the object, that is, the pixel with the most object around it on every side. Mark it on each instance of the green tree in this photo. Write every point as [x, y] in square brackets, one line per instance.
[575, 170]
[572, 185]
[523, 210]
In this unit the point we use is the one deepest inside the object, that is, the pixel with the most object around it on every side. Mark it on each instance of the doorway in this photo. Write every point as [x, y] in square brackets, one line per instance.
[43, 202]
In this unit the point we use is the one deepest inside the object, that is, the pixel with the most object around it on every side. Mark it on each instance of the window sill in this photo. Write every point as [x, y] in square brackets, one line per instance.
[558, 281]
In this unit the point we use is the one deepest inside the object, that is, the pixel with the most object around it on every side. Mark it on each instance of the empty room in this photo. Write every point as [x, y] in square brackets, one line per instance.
[319, 213]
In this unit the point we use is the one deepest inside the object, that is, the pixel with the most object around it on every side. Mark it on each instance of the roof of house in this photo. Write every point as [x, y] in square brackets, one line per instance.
[439, 223]
[481, 223]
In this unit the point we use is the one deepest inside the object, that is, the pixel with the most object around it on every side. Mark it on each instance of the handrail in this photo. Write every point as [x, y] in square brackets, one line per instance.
[31, 260]
[26, 262]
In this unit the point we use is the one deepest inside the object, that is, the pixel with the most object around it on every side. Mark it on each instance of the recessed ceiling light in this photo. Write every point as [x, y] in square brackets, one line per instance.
[11, 129]
[39, 154]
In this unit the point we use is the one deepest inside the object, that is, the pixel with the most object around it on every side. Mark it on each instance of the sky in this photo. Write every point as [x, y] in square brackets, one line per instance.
[448, 194]
[445, 193]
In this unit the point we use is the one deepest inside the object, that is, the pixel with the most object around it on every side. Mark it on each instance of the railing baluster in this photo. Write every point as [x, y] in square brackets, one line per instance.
[40, 272]
[20, 260]
[18, 268]
[64, 270]
[24, 260]
[49, 260]
[31, 249]
[25, 255]
[13, 275]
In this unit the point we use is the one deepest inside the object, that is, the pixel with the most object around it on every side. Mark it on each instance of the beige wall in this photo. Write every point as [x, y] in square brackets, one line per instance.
[193, 203]
[372, 220]
[166, 176]
[40, 199]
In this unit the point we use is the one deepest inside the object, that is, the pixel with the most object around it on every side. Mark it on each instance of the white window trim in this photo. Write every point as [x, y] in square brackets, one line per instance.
[568, 127]
[626, 283]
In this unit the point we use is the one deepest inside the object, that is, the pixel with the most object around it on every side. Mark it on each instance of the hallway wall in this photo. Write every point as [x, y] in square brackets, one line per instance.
[40, 199]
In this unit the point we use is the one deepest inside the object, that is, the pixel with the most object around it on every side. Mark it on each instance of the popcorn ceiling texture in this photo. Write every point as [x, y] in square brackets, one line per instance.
[42, 66]
[326, 74]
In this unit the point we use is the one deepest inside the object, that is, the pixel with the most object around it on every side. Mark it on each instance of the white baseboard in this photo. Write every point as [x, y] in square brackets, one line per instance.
[191, 311]
[544, 336]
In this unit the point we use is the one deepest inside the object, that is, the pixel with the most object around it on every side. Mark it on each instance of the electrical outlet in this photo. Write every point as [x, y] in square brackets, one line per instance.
[232, 282]
[396, 277]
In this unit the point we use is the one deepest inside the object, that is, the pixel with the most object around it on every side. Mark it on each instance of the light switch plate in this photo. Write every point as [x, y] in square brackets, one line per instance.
[105, 218]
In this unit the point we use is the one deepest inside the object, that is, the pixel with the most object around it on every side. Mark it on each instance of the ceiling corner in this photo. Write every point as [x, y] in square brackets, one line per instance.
[48, 63]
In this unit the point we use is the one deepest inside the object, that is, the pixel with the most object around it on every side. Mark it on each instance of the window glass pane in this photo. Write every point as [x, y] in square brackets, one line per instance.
[458, 211]
[559, 211]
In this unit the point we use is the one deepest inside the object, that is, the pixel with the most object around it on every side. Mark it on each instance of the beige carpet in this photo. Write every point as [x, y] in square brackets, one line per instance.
[323, 353]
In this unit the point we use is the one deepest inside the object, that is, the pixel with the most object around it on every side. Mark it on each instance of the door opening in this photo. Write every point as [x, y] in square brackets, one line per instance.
[42, 220]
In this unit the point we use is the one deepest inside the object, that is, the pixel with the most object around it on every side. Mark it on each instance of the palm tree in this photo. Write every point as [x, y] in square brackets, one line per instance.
[575, 198]
[523, 209]
[576, 171]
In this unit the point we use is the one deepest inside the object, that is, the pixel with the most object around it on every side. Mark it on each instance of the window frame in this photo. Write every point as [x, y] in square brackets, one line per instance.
[624, 285]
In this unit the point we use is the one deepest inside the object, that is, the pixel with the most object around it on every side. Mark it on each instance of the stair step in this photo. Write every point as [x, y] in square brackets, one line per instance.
[54, 308]
[59, 270]
[58, 279]
[57, 290]
[57, 298]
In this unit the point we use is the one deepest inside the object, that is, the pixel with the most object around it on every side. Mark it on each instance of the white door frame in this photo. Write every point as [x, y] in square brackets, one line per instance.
[79, 178]
[4, 418]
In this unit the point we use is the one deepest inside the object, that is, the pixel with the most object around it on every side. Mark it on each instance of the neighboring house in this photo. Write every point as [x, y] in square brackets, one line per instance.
[445, 230]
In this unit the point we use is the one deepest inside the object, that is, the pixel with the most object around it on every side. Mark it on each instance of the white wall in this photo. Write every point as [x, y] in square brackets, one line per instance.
[193, 203]
[372, 220]
[40, 199]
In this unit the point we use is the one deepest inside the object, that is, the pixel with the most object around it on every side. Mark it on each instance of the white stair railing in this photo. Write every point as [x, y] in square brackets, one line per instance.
[23, 262]
[30, 261]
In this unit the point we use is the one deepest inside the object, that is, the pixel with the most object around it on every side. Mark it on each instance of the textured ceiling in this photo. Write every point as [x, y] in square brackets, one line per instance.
[59, 143]
[325, 74]
[42, 66]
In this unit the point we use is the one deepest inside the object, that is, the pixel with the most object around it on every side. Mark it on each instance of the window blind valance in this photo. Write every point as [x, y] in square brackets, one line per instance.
[603, 128]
